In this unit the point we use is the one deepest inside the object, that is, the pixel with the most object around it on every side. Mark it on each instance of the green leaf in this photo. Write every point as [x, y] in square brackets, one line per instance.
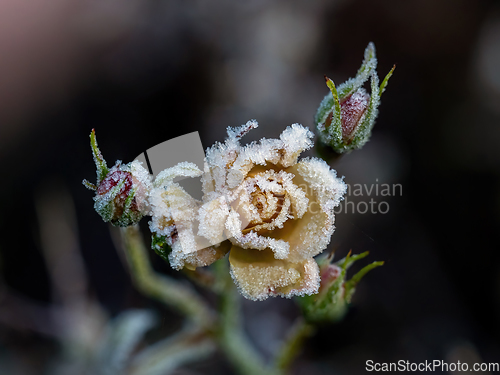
[160, 246]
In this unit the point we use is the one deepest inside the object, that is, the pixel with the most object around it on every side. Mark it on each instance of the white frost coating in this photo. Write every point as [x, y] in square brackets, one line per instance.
[324, 181]
[276, 212]
[212, 217]
[142, 179]
[175, 214]
[185, 169]
[257, 282]
[296, 139]
[252, 240]
[370, 63]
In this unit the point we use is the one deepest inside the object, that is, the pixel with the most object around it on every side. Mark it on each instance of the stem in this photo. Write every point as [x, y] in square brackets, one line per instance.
[164, 289]
[292, 345]
[231, 337]
[162, 357]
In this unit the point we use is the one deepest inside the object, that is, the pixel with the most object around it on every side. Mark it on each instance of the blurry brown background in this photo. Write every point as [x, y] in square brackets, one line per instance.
[142, 72]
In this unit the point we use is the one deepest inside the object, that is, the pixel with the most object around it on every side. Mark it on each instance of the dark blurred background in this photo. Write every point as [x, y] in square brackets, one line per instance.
[142, 72]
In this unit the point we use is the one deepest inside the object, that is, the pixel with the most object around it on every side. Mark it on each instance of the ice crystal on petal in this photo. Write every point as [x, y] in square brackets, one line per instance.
[259, 278]
[212, 217]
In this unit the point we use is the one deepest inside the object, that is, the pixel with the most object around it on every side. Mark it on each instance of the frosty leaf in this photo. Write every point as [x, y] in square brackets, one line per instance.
[121, 338]
[167, 355]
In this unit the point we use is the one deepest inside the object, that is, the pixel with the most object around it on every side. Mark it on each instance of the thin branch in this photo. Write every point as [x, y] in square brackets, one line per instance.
[292, 345]
[171, 292]
[231, 337]
[165, 356]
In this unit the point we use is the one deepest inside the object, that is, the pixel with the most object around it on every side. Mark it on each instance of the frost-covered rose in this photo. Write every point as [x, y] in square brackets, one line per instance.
[121, 191]
[272, 212]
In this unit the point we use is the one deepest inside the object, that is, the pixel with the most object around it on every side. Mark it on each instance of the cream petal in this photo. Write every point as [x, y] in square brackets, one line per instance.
[212, 218]
[199, 258]
[284, 151]
[171, 205]
[258, 275]
[296, 139]
[310, 235]
[185, 169]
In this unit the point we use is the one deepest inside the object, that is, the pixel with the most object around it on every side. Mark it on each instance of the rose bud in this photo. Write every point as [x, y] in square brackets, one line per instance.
[121, 192]
[335, 292]
[345, 118]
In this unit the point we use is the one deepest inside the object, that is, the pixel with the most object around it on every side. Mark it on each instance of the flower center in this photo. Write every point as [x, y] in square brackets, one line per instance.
[268, 206]
[266, 200]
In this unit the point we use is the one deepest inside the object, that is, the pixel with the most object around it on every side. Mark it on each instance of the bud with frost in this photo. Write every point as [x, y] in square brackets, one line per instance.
[335, 292]
[270, 211]
[121, 192]
[345, 118]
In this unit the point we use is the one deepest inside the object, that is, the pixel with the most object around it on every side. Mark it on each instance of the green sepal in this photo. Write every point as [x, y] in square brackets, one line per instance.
[100, 163]
[129, 216]
[332, 304]
[386, 80]
[349, 260]
[364, 72]
[89, 185]
[367, 122]
[105, 205]
[350, 286]
[160, 246]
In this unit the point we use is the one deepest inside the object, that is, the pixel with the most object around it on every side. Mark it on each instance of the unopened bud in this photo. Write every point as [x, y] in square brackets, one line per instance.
[121, 192]
[335, 292]
[345, 117]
